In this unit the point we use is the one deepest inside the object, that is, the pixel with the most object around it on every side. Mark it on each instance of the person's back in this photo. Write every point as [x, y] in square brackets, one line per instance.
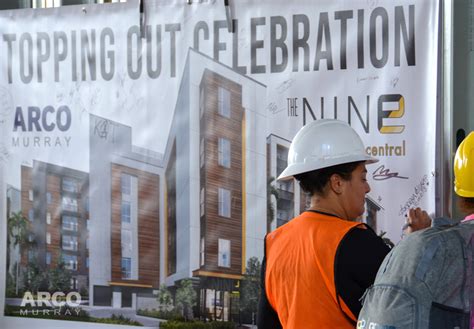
[427, 281]
[300, 271]
[424, 282]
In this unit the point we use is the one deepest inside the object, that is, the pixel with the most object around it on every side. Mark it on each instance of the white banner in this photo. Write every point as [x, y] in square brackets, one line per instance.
[141, 151]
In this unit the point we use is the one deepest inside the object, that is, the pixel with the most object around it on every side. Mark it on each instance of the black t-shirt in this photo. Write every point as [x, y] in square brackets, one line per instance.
[358, 259]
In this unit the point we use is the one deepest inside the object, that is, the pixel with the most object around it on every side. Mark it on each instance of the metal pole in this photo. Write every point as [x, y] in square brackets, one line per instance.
[446, 146]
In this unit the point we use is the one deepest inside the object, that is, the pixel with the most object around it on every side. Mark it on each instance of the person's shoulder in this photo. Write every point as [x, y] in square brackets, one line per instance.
[362, 231]
[364, 237]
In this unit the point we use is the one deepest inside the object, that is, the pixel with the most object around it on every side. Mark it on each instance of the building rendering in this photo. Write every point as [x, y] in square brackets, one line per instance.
[291, 200]
[55, 199]
[125, 212]
[215, 192]
[370, 215]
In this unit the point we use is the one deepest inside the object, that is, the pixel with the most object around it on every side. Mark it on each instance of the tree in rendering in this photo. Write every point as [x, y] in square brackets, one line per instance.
[251, 287]
[17, 238]
[271, 190]
[164, 298]
[186, 298]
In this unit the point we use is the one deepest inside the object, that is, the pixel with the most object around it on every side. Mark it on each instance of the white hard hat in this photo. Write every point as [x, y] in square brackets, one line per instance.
[321, 144]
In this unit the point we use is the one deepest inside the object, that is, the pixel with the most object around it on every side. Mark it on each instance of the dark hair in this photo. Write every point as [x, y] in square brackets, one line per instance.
[466, 205]
[314, 182]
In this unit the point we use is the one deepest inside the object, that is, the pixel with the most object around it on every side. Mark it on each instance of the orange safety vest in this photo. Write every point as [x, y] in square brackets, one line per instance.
[299, 278]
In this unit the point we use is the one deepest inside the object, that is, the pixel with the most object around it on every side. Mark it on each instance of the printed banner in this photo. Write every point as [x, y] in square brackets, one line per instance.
[140, 151]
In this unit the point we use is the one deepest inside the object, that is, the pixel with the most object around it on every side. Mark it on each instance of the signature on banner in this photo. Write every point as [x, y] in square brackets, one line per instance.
[273, 108]
[284, 86]
[382, 174]
[6, 103]
[4, 154]
[414, 200]
[103, 128]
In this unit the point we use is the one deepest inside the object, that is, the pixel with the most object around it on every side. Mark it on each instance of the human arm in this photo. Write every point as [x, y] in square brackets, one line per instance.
[417, 219]
[358, 259]
[267, 318]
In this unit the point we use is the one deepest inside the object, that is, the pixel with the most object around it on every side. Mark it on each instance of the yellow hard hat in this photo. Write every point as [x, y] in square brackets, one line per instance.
[464, 168]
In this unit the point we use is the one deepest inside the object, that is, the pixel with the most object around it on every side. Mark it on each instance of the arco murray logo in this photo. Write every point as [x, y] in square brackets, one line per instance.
[42, 127]
[52, 303]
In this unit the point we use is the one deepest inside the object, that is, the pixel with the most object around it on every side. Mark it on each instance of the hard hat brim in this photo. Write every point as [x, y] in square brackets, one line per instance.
[300, 168]
[463, 193]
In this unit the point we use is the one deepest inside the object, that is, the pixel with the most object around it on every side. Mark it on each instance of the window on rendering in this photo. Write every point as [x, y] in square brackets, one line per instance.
[202, 152]
[73, 283]
[126, 211]
[48, 238]
[30, 195]
[224, 253]
[49, 198]
[70, 261]
[70, 185]
[126, 241]
[201, 102]
[202, 202]
[126, 184]
[70, 223]
[223, 102]
[69, 204]
[126, 267]
[69, 242]
[48, 258]
[224, 152]
[31, 215]
[31, 255]
[48, 218]
[202, 251]
[224, 202]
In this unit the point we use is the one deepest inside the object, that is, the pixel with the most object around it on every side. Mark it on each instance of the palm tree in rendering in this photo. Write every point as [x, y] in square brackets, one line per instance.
[271, 190]
[18, 237]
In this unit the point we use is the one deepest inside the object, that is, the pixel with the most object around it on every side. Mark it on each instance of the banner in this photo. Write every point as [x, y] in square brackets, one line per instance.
[139, 151]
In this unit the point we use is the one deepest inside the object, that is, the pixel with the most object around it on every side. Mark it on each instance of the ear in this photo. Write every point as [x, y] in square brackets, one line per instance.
[336, 183]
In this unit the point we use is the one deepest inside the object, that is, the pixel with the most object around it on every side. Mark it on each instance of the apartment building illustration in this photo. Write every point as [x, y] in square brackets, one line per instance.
[125, 212]
[372, 208]
[291, 200]
[215, 194]
[13, 200]
[54, 199]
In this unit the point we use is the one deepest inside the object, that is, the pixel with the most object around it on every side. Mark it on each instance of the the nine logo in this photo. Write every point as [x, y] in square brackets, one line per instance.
[390, 113]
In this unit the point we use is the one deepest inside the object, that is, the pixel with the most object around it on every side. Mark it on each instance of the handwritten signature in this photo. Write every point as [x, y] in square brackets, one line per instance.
[284, 86]
[375, 77]
[420, 189]
[394, 82]
[4, 154]
[372, 3]
[102, 128]
[273, 108]
[382, 174]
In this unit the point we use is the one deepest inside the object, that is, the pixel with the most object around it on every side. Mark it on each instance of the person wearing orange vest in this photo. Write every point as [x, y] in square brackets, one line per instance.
[318, 265]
